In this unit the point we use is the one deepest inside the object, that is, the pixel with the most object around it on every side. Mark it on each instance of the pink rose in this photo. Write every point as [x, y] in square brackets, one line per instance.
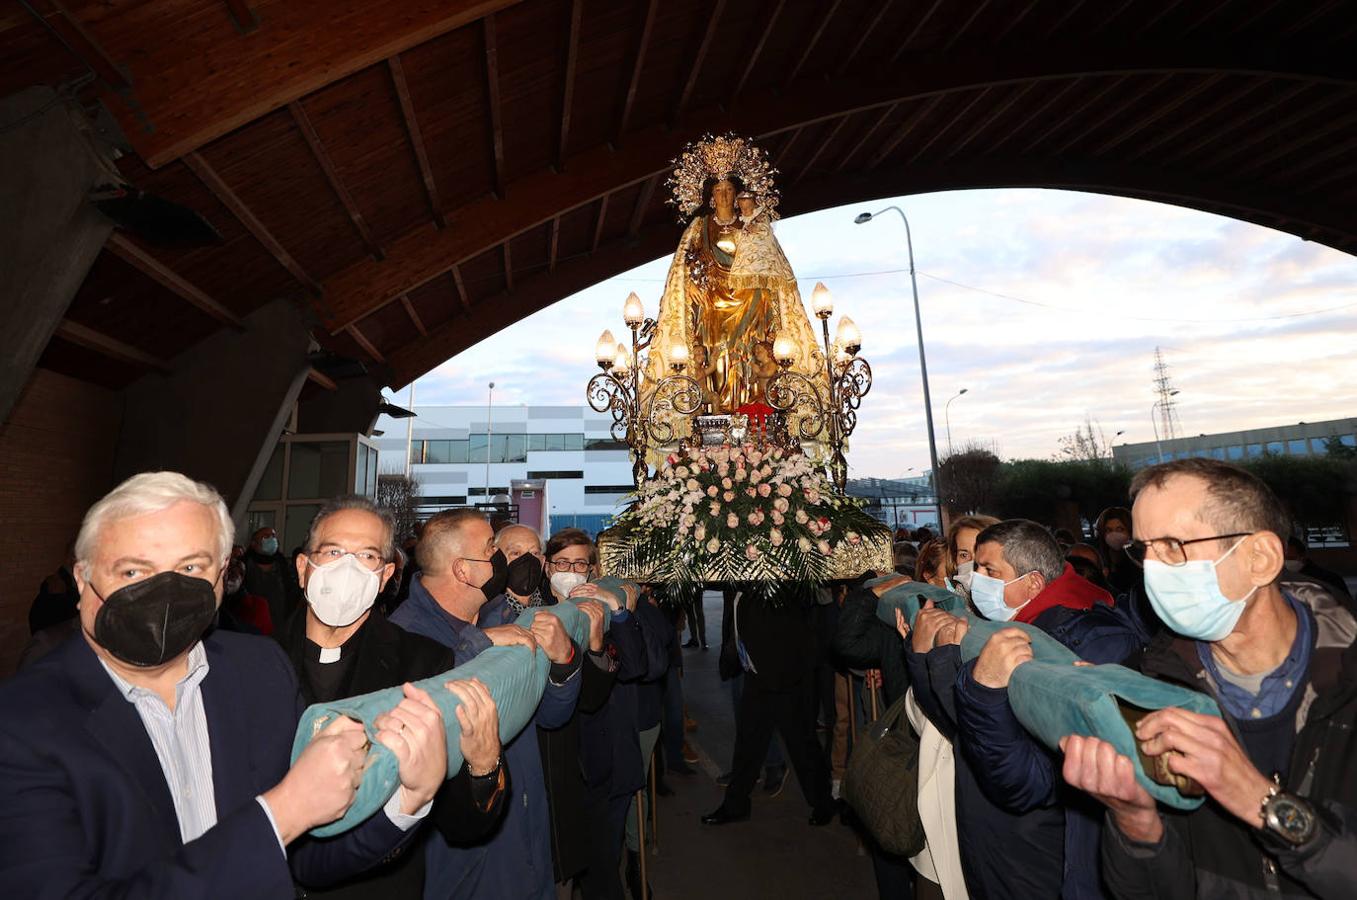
[775, 537]
[801, 516]
[714, 509]
[750, 492]
[781, 504]
[854, 537]
[751, 552]
[726, 483]
[700, 533]
[812, 495]
[753, 518]
[728, 496]
[713, 545]
[740, 474]
[778, 518]
[784, 490]
[711, 491]
[803, 544]
[732, 520]
[692, 485]
[765, 490]
[824, 548]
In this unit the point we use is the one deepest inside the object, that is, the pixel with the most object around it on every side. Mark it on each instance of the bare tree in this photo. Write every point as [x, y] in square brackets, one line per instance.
[966, 480]
[400, 494]
[1088, 441]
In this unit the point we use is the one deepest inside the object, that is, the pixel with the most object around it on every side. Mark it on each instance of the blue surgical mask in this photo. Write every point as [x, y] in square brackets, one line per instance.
[268, 546]
[987, 593]
[1188, 597]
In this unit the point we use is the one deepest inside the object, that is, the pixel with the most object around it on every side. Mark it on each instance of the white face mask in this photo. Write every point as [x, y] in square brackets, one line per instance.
[562, 583]
[342, 591]
[964, 573]
[987, 593]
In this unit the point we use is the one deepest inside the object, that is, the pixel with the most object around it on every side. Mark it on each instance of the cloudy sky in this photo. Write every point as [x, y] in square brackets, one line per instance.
[1046, 305]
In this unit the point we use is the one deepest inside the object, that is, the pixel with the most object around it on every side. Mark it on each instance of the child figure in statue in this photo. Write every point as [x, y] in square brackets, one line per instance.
[764, 369]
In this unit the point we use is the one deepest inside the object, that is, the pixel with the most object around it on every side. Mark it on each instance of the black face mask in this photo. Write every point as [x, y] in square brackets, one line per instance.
[524, 575]
[499, 576]
[147, 623]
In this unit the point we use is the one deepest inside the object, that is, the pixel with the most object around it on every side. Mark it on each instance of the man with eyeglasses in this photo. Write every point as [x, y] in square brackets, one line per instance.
[458, 599]
[341, 645]
[1018, 833]
[1280, 768]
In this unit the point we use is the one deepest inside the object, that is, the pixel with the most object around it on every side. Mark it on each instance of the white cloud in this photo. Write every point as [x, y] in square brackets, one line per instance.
[1127, 274]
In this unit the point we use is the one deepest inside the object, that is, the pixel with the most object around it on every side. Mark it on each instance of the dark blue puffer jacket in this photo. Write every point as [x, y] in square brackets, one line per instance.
[1018, 775]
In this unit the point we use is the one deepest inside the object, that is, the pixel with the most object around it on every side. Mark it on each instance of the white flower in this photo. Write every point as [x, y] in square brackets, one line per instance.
[824, 548]
[713, 545]
[801, 516]
[732, 520]
[803, 543]
[726, 483]
[692, 485]
[751, 552]
[775, 536]
[700, 533]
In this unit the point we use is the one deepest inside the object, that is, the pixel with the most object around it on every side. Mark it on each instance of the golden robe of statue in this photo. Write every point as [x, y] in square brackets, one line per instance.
[729, 289]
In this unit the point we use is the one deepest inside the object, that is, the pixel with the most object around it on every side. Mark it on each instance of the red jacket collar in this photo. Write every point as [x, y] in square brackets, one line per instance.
[1070, 590]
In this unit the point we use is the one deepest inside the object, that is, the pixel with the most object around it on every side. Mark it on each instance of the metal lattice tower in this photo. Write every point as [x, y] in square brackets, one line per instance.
[1163, 385]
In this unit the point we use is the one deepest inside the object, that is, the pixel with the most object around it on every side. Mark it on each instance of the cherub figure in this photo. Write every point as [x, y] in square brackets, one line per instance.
[764, 369]
[704, 372]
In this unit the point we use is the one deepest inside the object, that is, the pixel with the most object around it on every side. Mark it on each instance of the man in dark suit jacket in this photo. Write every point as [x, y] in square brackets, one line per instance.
[341, 645]
[140, 759]
[776, 647]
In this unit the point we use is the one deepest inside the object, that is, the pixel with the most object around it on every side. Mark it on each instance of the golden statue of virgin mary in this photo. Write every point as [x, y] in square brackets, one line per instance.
[730, 290]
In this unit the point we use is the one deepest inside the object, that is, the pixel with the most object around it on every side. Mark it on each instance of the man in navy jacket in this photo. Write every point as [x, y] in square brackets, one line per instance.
[458, 599]
[1020, 778]
[140, 759]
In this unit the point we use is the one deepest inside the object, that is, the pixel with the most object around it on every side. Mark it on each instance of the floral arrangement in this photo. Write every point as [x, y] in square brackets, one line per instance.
[741, 513]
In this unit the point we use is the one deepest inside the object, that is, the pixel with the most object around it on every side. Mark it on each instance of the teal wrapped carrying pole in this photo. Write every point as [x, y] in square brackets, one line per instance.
[1052, 697]
[514, 675]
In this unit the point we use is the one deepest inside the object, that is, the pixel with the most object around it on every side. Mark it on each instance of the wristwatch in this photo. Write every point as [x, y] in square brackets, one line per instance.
[1288, 817]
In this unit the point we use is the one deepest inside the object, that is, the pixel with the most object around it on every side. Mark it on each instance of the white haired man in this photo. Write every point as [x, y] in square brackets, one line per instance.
[141, 758]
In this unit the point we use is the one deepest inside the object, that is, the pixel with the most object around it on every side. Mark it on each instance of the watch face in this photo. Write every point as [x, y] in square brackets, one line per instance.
[1290, 818]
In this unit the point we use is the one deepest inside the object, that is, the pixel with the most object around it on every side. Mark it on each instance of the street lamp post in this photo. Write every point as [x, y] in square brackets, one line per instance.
[489, 412]
[946, 416]
[861, 219]
[1158, 451]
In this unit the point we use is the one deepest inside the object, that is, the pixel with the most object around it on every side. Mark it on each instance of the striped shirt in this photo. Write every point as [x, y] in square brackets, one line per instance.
[181, 742]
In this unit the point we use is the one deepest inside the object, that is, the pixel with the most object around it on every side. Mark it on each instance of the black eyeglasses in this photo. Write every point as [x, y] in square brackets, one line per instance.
[1171, 551]
[580, 566]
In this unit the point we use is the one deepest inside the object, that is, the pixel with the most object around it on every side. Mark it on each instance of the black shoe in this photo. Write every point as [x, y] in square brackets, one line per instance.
[704, 647]
[723, 816]
[774, 779]
[691, 643]
[679, 767]
[822, 816]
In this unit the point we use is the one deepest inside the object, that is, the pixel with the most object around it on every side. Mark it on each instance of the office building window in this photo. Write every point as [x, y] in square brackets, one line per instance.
[609, 488]
[1276, 447]
[480, 491]
[1298, 447]
[1217, 452]
[1235, 452]
[604, 444]
[449, 500]
[555, 476]
[1319, 446]
[1255, 450]
[1348, 440]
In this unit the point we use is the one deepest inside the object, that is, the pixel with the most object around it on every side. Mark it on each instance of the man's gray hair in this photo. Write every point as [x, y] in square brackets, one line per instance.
[361, 504]
[500, 536]
[151, 492]
[1027, 547]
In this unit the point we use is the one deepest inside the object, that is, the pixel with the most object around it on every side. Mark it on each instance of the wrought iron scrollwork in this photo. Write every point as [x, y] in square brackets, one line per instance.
[800, 400]
[676, 395]
[606, 393]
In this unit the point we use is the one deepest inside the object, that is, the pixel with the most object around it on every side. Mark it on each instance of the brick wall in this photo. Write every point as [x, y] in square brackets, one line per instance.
[56, 458]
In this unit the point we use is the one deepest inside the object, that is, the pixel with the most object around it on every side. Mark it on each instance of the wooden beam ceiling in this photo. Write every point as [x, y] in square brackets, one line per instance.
[643, 198]
[320, 378]
[223, 79]
[424, 253]
[462, 296]
[214, 183]
[415, 320]
[638, 63]
[830, 11]
[327, 166]
[84, 336]
[882, 7]
[493, 105]
[54, 15]
[695, 69]
[572, 52]
[362, 341]
[123, 247]
[416, 139]
[245, 18]
[768, 24]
